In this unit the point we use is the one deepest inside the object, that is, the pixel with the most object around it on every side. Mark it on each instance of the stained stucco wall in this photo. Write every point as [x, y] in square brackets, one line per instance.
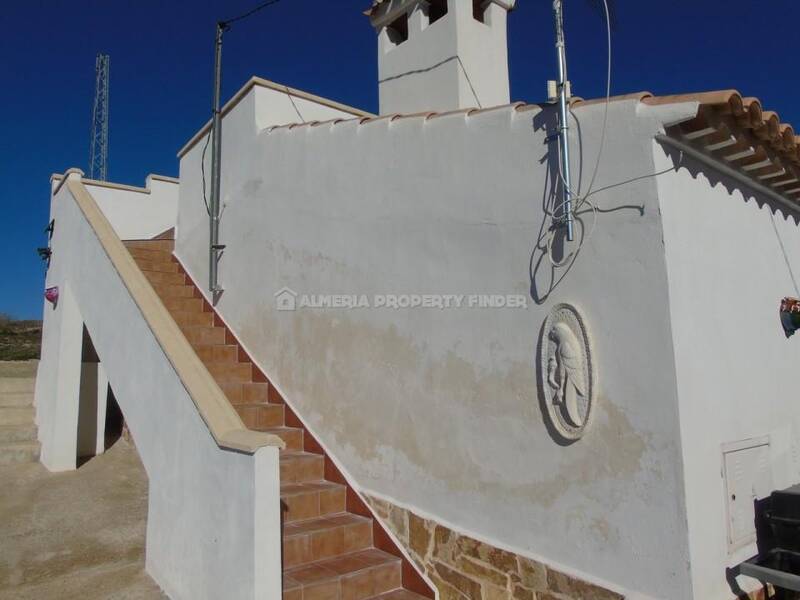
[438, 409]
[737, 372]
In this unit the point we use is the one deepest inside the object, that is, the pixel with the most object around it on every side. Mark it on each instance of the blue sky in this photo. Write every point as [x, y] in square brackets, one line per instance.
[161, 66]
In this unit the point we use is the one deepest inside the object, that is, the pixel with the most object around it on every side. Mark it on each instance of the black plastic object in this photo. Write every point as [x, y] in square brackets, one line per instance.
[778, 531]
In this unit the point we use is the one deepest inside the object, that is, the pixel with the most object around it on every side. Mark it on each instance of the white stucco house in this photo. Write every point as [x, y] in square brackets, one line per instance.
[442, 395]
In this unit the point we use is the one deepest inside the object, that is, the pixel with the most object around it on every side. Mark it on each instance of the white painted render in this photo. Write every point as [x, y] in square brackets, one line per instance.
[737, 372]
[214, 518]
[138, 214]
[454, 62]
[438, 409]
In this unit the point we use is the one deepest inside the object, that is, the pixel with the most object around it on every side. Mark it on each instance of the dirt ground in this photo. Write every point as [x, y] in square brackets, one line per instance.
[77, 535]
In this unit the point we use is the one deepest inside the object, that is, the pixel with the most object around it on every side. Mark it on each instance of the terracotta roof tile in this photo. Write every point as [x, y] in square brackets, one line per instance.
[739, 131]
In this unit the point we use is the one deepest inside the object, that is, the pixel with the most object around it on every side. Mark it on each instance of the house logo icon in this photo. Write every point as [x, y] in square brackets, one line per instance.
[286, 299]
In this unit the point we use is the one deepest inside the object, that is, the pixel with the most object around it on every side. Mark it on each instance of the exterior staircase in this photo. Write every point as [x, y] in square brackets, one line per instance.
[18, 440]
[333, 548]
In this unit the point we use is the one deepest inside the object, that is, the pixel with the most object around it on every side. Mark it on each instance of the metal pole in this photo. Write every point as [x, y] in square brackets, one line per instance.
[563, 119]
[216, 163]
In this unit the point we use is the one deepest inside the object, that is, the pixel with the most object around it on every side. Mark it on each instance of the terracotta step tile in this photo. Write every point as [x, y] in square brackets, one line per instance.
[233, 392]
[166, 290]
[292, 590]
[178, 304]
[164, 245]
[168, 278]
[154, 254]
[189, 319]
[299, 467]
[325, 537]
[291, 435]
[255, 393]
[259, 416]
[356, 576]
[312, 499]
[157, 266]
[208, 336]
[231, 372]
[218, 354]
[245, 393]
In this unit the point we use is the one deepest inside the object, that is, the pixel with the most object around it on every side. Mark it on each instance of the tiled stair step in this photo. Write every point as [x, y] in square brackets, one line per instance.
[16, 385]
[357, 576]
[18, 399]
[16, 416]
[158, 266]
[246, 393]
[327, 552]
[301, 467]
[231, 371]
[168, 278]
[260, 416]
[218, 354]
[291, 435]
[153, 254]
[19, 452]
[179, 304]
[311, 500]
[166, 291]
[190, 319]
[17, 433]
[308, 541]
[161, 245]
[204, 336]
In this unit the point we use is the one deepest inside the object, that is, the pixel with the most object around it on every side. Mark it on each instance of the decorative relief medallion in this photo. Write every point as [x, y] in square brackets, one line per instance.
[567, 372]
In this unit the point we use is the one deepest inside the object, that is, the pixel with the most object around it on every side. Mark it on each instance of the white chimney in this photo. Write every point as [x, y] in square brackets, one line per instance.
[441, 54]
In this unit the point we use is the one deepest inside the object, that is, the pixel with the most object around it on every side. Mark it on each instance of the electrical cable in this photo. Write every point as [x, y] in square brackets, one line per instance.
[249, 13]
[288, 93]
[469, 81]
[203, 172]
[225, 25]
[608, 101]
[579, 199]
[785, 255]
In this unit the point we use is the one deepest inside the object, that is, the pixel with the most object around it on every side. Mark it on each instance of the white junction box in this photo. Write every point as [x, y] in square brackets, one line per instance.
[748, 477]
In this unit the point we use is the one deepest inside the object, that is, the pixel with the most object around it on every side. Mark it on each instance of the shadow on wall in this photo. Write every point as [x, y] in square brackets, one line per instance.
[553, 256]
[695, 169]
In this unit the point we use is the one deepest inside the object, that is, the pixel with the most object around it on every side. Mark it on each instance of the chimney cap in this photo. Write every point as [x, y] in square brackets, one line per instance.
[507, 4]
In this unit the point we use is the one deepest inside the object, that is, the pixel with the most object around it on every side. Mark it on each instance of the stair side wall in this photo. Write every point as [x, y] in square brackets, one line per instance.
[211, 532]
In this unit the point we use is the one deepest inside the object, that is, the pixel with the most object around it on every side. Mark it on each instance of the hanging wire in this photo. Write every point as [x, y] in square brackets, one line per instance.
[225, 25]
[580, 200]
[250, 12]
[203, 171]
[785, 254]
[291, 99]
[469, 81]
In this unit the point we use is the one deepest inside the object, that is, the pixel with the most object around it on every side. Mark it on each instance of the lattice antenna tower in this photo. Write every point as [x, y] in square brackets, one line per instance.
[98, 144]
